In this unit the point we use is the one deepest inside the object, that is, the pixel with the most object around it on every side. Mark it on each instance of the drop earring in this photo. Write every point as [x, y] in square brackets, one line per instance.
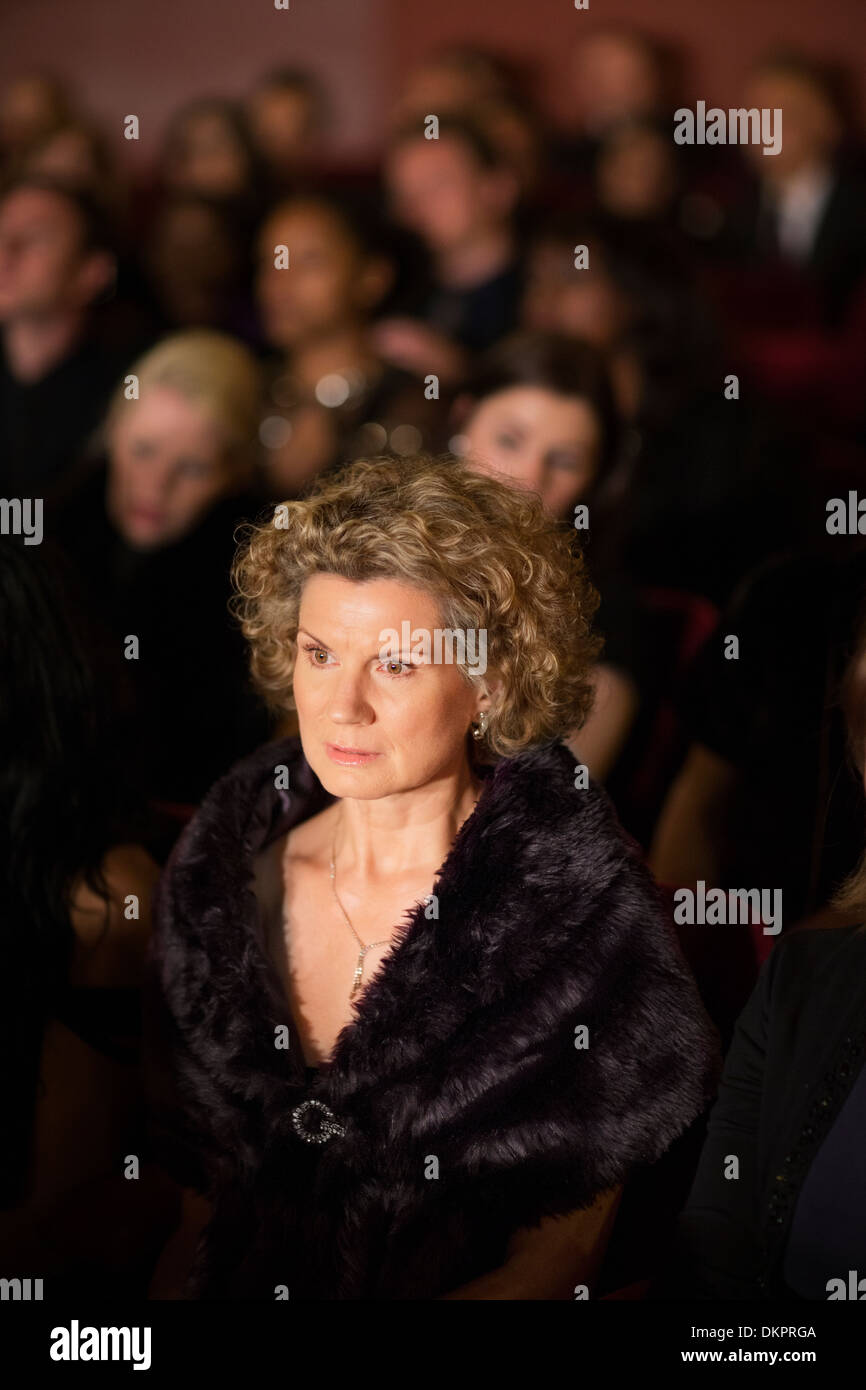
[480, 729]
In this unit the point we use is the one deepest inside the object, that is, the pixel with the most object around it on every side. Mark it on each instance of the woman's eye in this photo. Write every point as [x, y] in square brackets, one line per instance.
[315, 653]
[397, 668]
[192, 469]
[567, 463]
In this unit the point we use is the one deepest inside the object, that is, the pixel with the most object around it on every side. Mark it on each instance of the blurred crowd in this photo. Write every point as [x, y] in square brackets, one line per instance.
[667, 342]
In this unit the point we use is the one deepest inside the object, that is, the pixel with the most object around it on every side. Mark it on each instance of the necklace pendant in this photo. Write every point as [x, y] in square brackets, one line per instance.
[359, 970]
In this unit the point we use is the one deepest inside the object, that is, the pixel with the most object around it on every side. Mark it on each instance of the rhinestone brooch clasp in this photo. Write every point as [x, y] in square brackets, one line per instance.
[315, 1130]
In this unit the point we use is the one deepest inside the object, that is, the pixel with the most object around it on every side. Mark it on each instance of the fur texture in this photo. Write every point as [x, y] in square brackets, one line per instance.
[462, 1049]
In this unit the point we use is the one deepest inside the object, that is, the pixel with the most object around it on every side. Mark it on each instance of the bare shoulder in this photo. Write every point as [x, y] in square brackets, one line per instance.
[112, 932]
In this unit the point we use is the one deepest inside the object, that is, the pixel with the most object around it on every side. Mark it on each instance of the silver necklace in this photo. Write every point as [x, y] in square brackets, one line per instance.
[359, 966]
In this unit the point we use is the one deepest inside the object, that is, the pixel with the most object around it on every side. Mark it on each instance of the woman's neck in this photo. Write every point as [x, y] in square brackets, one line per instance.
[392, 835]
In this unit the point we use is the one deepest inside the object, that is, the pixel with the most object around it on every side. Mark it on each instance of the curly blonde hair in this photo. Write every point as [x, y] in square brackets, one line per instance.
[489, 554]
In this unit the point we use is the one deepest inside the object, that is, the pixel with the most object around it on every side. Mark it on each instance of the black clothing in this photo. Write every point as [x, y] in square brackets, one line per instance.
[107, 1018]
[836, 260]
[464, 1054]
[46, 425]
[711, 492]
[774, 714]
[828, 1233]
[479, 315]
[195, 712]
[798, 1049]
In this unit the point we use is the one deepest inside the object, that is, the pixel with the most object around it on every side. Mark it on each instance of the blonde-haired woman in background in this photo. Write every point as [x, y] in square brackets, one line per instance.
[151, 530]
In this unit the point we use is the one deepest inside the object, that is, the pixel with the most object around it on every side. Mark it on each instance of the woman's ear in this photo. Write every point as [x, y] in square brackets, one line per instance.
[490, 692]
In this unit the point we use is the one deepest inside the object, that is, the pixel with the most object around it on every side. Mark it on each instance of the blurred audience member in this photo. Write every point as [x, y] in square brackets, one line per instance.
[208, 151]
[78, 156]
[56, 260]
[455, 81]
[287, 116]
[792, 1108]
[539, 413]
[707, 485]
[73, 953]
[331, 397]
[31, 107]
[807, 211]
[458, 194]
[197, 266]
[766, 795]
[616, 74]
[636, 172]
[152, 533]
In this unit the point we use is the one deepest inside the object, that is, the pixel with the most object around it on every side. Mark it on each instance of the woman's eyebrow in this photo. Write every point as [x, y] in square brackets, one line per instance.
[375, 656]
[317, 640]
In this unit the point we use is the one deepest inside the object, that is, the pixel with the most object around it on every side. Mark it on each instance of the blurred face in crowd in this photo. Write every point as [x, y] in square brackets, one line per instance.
[446, 88]
[538, 440]
[514, 134]
[440, 190]
[636, 176]
[44, 267]
[331, 283]
[191, 257]
[613, 76]
[68, 155]
[168, 464]
[208, 158]
[410, 717]
[29, 108]
[562, 299]
[283, 124]
[810, 127]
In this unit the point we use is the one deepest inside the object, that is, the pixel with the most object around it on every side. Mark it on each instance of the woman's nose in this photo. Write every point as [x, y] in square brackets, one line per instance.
[349, 703]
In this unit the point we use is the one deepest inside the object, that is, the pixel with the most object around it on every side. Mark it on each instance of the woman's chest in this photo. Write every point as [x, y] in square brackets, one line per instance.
[327, 951]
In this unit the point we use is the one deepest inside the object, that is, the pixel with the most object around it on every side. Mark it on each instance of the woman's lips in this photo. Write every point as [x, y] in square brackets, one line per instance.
[348, 757]
[145, 517]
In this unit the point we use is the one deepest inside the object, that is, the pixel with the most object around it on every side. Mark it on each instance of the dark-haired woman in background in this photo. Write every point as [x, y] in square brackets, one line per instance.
[540, 413]
[75, 891]
[331, 396]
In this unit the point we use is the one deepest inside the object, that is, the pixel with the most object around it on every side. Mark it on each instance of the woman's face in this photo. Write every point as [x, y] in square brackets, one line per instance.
[559, 298]
[167, 466]
[537, 440]
[325, 285]
[636, 175]
[209, 159]
[372, 727]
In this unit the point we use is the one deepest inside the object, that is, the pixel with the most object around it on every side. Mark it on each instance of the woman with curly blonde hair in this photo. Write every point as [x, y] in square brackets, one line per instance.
[416, 1012]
